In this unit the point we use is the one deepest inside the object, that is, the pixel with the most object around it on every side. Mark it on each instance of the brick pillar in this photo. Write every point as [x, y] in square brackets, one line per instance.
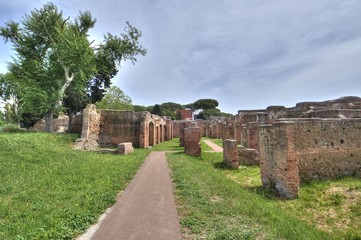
[252, 135]
[279, 164]
[182, 126]
[230, 153]
[192, 137]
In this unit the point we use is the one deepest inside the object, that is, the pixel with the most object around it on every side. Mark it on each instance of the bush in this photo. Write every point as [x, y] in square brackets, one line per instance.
[10, 127]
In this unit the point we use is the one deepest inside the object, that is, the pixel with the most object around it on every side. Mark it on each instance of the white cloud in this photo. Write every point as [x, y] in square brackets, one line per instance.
[246, 54]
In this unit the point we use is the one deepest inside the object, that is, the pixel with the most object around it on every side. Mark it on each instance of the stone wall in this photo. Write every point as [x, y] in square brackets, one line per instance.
[309, 149]
[142, 129]
[60, 124]
[118, 127]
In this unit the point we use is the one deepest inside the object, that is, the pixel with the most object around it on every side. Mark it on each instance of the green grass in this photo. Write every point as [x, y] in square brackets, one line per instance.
[212, 206]
[50, 191]
[206, 148]
[215, 202]
[172, 145]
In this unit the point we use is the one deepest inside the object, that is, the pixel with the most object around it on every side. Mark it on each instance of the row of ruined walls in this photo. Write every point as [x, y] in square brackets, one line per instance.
[291, 151]
[108, 128]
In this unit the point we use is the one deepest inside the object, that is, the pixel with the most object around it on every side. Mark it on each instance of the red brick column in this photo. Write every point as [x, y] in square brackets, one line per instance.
[230, 153]
[192, 137]
[279, 165]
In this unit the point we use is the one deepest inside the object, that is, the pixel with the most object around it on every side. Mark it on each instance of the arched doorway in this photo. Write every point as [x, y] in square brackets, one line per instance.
[151, 134]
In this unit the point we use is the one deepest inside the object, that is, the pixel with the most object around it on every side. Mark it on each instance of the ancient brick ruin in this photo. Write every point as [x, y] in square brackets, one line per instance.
[192, 138]
[309, 149]
[108, 128]
[311, 141]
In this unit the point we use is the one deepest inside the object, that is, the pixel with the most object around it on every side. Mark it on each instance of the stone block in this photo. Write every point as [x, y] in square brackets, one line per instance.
[248, 156]
[125, 148]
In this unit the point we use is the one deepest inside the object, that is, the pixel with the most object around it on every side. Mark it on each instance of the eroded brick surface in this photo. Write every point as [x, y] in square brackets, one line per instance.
[230, 153]
[192, 138]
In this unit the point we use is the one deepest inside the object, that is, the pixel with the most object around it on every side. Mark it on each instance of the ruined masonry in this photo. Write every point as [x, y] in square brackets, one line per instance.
[108, 128]
[311, 141]
[192, 138]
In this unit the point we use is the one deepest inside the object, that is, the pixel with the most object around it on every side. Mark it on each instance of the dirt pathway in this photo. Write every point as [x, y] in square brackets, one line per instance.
[146, 209]
[214, 146]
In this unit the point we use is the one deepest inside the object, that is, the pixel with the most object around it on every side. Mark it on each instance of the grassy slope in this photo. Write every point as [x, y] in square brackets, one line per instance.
[50, 191]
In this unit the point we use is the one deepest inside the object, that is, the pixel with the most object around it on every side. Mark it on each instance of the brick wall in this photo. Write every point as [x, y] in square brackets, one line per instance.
[305, 150]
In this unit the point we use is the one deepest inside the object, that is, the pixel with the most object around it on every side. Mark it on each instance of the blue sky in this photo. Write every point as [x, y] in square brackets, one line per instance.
[245, 54]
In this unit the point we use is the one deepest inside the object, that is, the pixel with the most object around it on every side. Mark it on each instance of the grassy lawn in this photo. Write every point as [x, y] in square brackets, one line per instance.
[50, 191]
[172, 145]
[218, 203]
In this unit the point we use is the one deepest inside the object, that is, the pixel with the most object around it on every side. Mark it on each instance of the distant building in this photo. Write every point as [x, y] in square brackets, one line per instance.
[184, 114]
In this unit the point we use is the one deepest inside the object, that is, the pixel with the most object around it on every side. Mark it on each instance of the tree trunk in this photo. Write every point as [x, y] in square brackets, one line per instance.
[70, 125]
[49, 121]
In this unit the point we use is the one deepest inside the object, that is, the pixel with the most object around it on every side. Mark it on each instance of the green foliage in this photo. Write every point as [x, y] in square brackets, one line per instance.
[205, 104]
[11, 127]
[157, 110]
[138, 108]
[115, 99]
[205, 114]
[54, 60]
[2, 118]
[50, 191]
[50, 53]
[165, 109]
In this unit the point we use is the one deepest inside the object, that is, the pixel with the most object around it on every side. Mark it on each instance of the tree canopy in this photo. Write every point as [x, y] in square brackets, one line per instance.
[205, 104]
[55, 60]
[115, 99]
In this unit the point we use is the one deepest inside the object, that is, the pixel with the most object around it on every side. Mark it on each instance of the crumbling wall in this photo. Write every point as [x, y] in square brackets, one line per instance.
[311, 149]
[90, 129]
[60, 124]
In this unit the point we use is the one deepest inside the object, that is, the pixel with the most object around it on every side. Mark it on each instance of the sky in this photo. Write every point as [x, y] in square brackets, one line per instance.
[245, 54]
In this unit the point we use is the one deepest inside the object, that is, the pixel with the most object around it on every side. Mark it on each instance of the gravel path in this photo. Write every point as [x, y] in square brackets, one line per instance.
[214, 146]
[146, 209]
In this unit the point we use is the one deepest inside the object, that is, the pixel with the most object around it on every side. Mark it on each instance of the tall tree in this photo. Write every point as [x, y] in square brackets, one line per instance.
[115, 99]
[54, 53]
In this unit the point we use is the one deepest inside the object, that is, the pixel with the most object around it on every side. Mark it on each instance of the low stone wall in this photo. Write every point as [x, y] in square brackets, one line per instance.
[312, 149]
